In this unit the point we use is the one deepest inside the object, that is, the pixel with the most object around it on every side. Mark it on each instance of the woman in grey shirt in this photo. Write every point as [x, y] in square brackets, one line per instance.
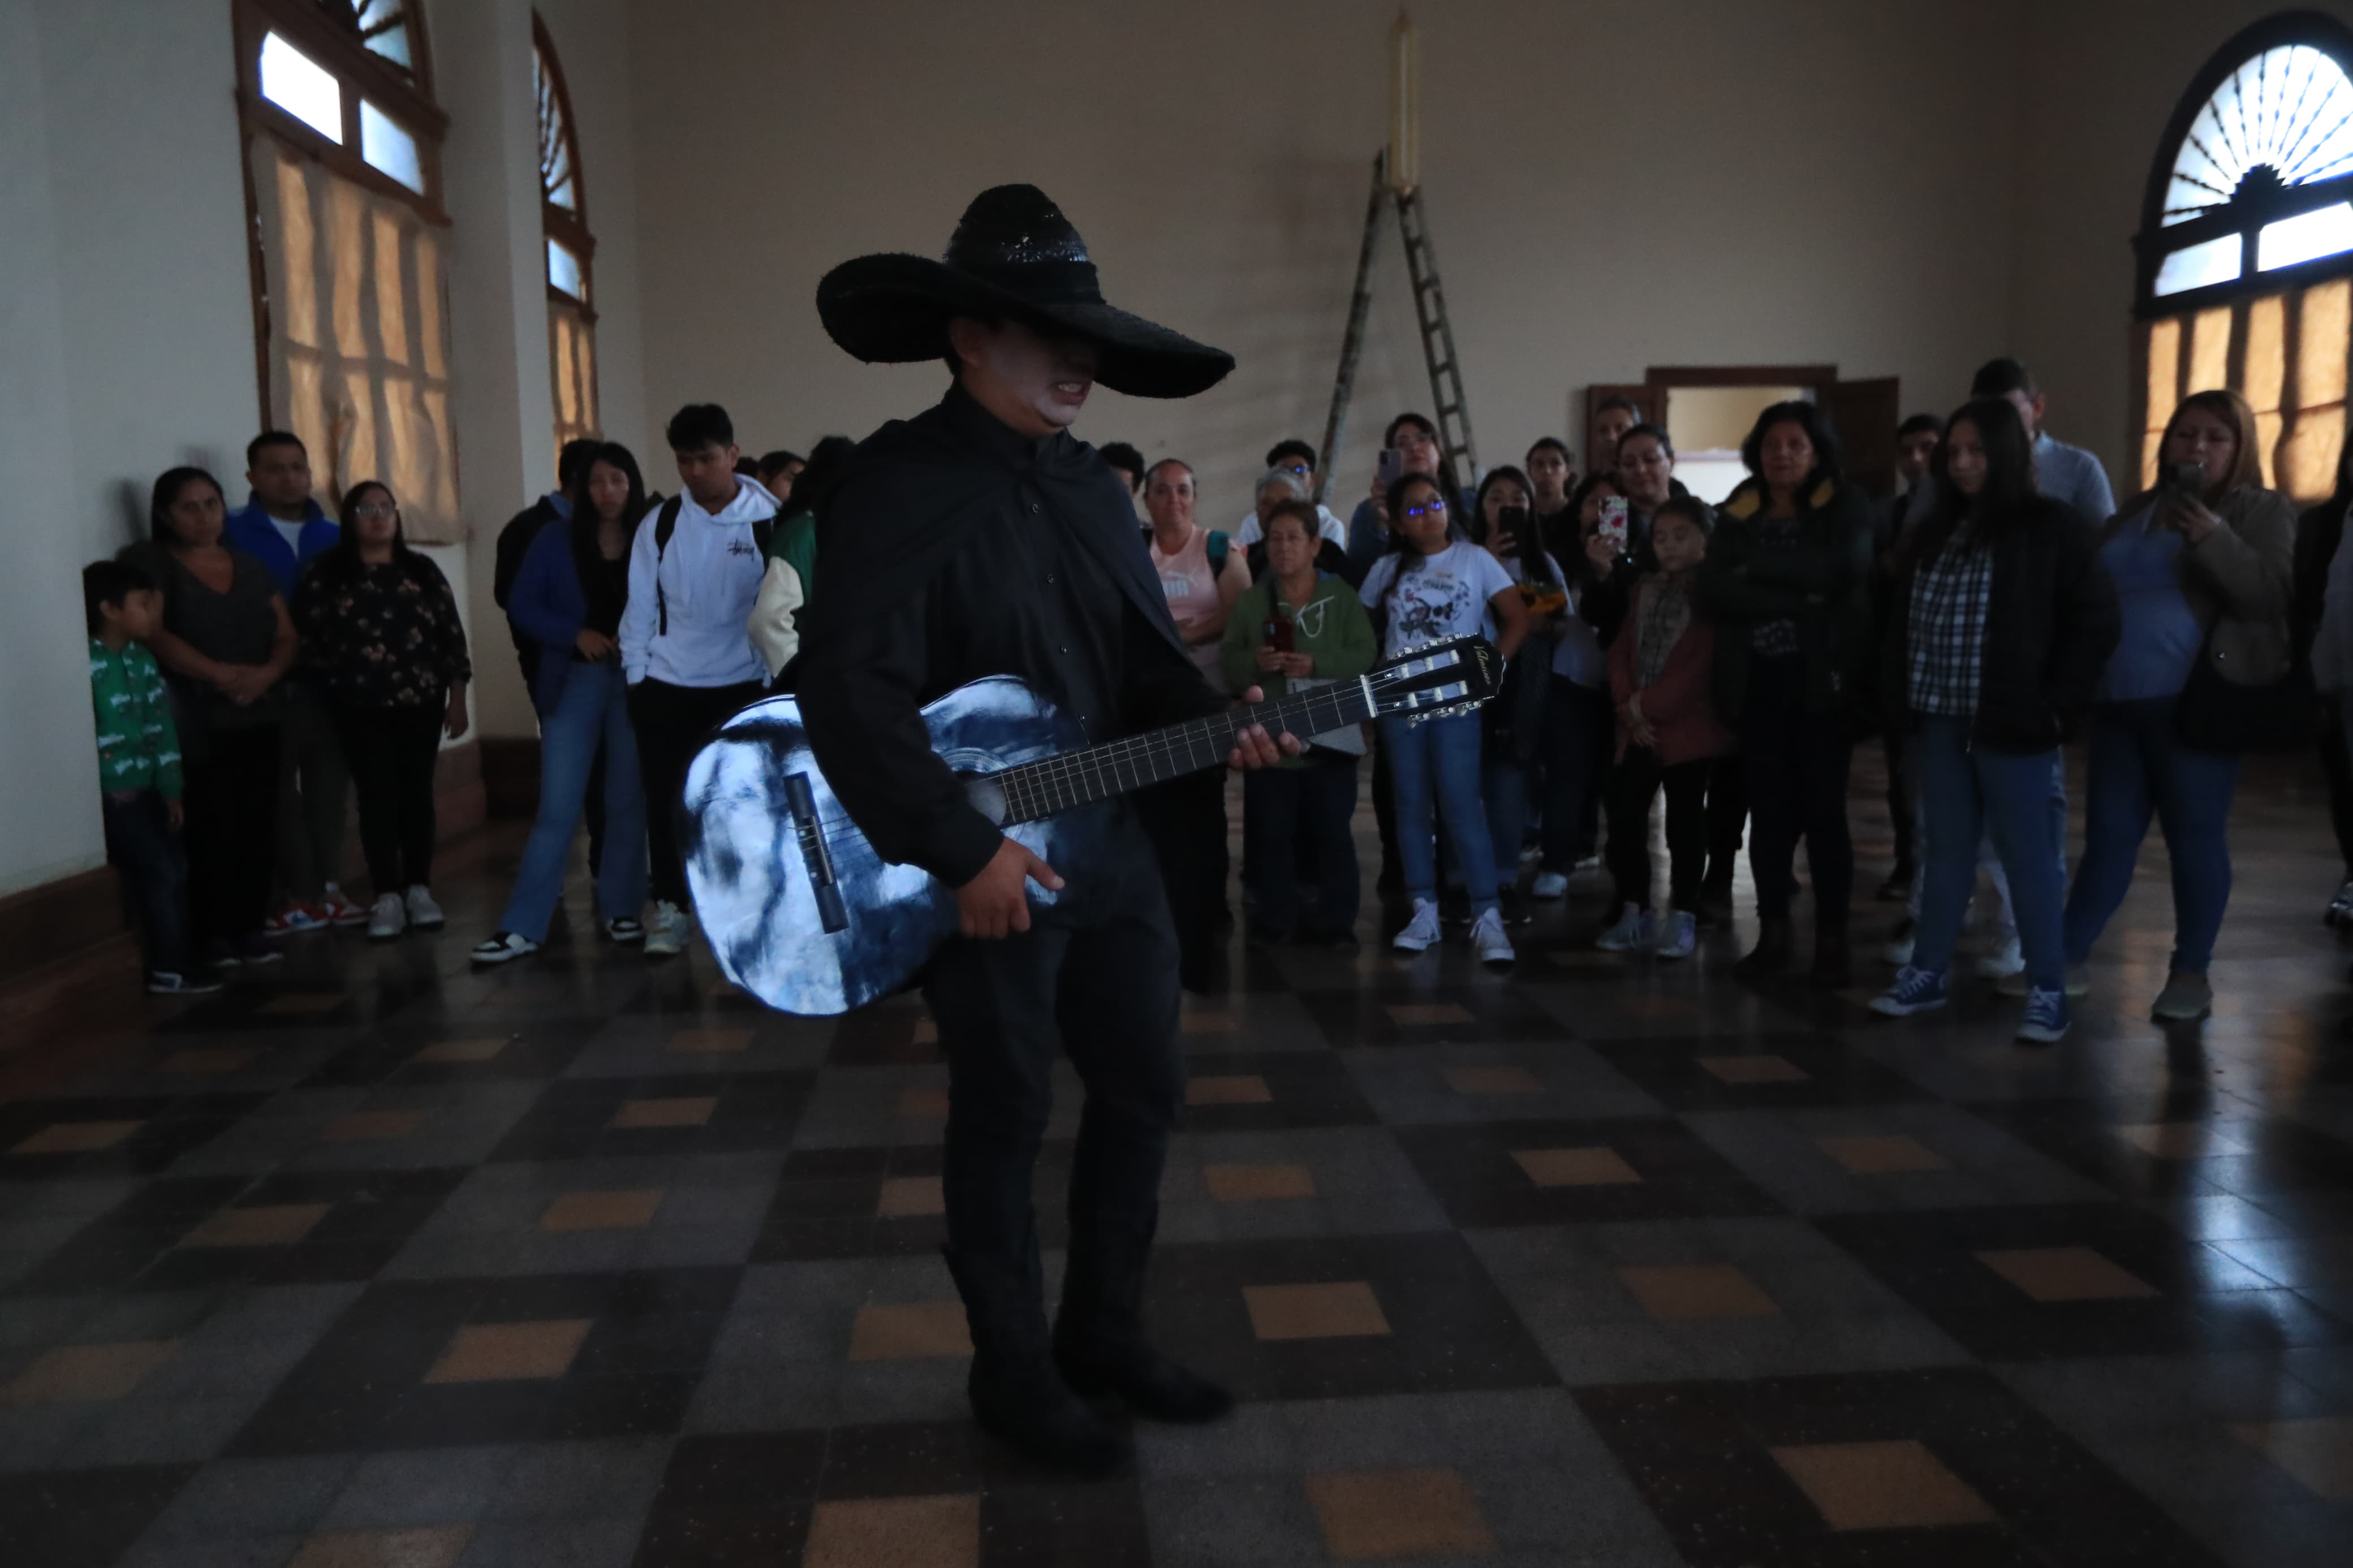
[225, 645]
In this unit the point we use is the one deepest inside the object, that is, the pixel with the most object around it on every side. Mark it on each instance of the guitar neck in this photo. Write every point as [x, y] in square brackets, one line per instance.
[1035, 790]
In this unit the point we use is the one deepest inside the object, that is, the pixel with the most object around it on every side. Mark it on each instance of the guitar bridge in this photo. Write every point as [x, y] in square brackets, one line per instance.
[801, 802]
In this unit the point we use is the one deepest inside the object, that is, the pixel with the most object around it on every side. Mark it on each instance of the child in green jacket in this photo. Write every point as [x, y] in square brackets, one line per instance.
[1295, 625]
[139, 769]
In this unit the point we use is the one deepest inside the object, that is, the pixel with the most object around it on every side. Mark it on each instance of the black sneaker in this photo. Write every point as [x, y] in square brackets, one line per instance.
[251, 949]
[505, 947]
[627, 928]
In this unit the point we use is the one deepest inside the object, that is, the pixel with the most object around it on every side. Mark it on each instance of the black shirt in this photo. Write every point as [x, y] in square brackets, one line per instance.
[957, 548]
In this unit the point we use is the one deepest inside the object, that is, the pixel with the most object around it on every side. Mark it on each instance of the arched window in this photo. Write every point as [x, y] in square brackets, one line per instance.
[571, 248]
[344, 194]
[2246, 247]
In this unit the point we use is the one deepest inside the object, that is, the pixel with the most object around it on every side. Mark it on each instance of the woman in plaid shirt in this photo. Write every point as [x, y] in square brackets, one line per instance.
[1999, 619]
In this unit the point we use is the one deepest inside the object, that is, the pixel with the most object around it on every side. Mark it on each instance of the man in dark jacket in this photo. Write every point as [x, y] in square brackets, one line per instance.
[979, 538]
[514, 543]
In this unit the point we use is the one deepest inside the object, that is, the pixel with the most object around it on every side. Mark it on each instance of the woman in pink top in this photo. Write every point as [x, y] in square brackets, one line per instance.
[1199, 572]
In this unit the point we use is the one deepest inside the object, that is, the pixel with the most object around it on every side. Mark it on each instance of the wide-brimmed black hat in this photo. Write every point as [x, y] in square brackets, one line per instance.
[1013, 254]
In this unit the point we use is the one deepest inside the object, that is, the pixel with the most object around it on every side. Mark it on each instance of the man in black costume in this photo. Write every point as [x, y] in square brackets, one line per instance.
[980, 538]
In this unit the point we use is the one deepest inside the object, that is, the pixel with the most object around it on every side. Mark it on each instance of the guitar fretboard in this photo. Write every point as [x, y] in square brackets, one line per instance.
[1035, 790]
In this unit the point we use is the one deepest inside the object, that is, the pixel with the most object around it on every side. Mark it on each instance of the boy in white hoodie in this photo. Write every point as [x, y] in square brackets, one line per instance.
[695, 573]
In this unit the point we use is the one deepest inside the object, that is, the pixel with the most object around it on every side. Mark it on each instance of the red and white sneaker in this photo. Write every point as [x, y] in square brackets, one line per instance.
[294, 918]
[338, 908]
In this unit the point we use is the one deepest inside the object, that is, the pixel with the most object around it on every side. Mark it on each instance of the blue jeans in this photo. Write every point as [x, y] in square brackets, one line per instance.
[1434, 769]
[2138, 767]
[592, 710]
[142, 847]
[1505, 786]
[1967, 794]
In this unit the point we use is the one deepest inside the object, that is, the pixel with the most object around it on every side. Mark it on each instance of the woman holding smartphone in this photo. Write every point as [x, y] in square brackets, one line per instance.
[1293, 627]
[1502, 520]
[2202, 566]
[1429, 587]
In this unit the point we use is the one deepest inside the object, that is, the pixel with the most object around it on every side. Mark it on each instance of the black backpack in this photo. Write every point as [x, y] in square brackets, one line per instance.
[666, 524]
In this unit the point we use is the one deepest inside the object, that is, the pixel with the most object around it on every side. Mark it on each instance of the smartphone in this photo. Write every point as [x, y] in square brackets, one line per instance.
[1392, 468]
[1278, 633]
[1514, 520]
[1614, 523]
[2182, 479]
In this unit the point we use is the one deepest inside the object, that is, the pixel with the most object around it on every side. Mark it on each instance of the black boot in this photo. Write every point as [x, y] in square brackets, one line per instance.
[1100, 1347]
[1773, 951]
[1149, 1383]
[1032, 1409]
[1016, 1394]
[1833, 967]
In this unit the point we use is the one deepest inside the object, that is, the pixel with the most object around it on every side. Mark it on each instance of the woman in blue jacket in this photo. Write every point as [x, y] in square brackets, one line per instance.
[568, 599]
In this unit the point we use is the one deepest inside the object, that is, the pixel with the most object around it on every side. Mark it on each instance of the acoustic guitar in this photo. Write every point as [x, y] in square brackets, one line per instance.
[803, 914]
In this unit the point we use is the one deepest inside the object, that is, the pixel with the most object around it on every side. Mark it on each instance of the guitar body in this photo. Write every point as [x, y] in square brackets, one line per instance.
[756, 879]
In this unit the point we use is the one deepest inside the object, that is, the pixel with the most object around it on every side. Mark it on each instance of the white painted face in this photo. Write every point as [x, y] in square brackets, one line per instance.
[1035, 383]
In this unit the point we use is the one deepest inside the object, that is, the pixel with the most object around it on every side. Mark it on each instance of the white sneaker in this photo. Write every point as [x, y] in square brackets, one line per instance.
[423, 914]
[504, 948]
[666, 932]
[1419, 933]
[388, 919]
[1679, 936]
[1549, 885]
[2002, 962]
[1636, 928]
[1488, 941]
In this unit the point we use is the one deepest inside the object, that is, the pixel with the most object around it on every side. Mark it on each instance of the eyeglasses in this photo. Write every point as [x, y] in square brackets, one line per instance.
[1433, 505]
[375, 508]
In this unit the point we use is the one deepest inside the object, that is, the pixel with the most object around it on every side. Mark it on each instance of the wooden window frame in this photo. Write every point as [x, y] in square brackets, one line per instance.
[364, 74]
[2243, 216]
[569, 226]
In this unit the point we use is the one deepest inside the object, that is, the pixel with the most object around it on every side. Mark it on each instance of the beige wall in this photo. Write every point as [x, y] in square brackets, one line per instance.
[1785, 184]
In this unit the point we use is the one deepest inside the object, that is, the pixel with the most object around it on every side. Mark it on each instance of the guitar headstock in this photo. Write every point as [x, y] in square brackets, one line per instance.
[1437, 679]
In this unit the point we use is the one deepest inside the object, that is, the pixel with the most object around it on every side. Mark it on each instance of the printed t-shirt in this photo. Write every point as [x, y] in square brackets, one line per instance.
[1445, 597]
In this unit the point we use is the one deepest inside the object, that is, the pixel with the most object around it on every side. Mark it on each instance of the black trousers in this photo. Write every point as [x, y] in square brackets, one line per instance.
[1578, 731]
[1303, 815]
[153, 867]
[1097, 975]
[1637, 778]
[1900, 803]
[1727, 815]
[1797, 765]
[231, 832]
[671, 722]
[2337, 767]
[391, 752]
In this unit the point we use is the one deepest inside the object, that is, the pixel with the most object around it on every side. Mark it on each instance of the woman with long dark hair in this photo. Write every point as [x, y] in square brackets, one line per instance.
[1579, 724]
[568, 599]
[381, 633]
[225, 645]
[2202, 568]
[1998, 619]
[1788, 584]
[1502, 519]
[1432, 586]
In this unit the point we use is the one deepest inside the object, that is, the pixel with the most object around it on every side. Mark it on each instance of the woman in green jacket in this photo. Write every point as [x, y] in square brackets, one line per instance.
[1788, 587]
[1295, 627]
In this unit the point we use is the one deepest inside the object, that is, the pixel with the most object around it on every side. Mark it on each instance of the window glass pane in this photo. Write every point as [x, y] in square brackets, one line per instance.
[564, 270]
[302, 88]
[2198, 266]
[384, 29]
[2209, 353]
[389, 148]
[2288, 111]
[2304, 238]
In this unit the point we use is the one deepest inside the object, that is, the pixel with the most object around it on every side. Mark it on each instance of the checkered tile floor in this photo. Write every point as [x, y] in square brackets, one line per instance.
[377, 1263]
